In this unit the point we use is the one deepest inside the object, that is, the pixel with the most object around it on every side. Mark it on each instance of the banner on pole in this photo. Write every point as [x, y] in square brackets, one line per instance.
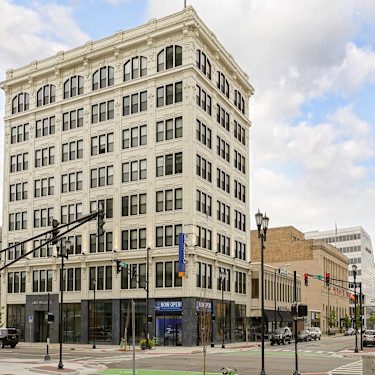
[181, 254]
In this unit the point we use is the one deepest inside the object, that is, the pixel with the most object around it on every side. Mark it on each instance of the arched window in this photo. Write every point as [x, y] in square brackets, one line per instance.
[73, 86]
[169, 57]
[20, 103]
[46, 95]
[135, 68]
[103, 77]
[203, 63]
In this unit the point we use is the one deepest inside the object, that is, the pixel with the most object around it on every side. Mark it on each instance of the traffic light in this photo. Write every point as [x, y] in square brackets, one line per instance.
[327, 279]
[118, 266]
[55, 231]
[149, 318]
[134, 271]
[302, 310]
[50, 318]
[306, 279]
[293, 309]
[101, 222]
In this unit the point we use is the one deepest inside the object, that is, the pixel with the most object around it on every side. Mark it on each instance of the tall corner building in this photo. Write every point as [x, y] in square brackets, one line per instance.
[153, 123]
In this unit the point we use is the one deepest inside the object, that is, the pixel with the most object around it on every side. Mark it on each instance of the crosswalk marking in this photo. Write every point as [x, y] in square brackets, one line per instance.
[354, 368]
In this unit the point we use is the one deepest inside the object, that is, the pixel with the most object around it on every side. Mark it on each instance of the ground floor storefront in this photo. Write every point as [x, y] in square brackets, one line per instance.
[171, 322]
[272, 319]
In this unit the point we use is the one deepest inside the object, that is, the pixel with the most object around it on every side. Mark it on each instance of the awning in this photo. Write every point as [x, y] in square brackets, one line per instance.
[286, 316]
[269, 315]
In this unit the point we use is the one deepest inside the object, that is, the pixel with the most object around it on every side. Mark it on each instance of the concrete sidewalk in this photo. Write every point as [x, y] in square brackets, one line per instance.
[22, 366]
[155, 350]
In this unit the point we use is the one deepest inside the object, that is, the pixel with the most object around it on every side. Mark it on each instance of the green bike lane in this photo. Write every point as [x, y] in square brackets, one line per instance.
[149, 372]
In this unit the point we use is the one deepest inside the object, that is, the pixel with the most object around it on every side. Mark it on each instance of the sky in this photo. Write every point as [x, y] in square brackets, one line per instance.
[312, 64]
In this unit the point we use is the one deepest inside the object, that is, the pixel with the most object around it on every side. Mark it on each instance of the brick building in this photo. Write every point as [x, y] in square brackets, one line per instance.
[315, 257]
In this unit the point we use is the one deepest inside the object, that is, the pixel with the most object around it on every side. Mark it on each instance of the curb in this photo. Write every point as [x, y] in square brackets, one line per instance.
[47, 370]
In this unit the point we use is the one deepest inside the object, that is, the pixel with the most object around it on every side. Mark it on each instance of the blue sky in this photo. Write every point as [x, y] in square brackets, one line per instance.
[312, 64]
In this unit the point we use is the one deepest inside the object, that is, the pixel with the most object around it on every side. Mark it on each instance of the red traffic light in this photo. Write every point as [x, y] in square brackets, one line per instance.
[327, 278]
[149, 318]
[118, 266]
[306, 279]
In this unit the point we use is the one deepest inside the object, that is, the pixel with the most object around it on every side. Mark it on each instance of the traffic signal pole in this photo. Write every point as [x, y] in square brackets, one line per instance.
[296, 372]
[147, 295]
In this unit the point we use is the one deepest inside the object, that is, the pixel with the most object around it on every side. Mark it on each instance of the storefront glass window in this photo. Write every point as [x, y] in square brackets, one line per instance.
[240, 328]
[103, 321]
[16, 319]
[72, 322]
[140, 320]
[223, 321]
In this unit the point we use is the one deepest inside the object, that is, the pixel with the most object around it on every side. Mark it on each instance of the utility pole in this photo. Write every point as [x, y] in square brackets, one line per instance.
[133, 332]
[274, 293]
[296, 372]
[360, 308]
[147, 294]
[47, 356]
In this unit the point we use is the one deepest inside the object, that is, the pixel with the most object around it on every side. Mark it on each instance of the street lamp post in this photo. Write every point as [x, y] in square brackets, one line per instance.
[222, 275]
[62, 255]
[94, 313]
[262, 223]
[354, 268]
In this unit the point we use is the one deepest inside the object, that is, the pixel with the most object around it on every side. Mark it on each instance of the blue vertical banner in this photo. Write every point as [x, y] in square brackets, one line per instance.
[181, 254]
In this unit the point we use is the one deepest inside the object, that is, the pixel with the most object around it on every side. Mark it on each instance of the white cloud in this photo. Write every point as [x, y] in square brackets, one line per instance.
[32, 34]
[311, 173]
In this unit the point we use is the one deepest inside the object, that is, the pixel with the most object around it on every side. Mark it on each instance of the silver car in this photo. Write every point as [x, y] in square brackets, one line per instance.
[369, 337]
[315, 333]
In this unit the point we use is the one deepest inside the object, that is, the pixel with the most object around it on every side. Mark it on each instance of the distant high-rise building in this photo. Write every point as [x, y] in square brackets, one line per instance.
[152, 123]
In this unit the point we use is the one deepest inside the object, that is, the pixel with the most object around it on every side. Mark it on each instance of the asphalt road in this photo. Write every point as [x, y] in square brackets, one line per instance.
[315, 357]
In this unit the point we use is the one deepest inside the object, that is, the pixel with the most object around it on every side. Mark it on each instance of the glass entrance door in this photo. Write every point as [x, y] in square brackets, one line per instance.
[169, 330]
[42, 337]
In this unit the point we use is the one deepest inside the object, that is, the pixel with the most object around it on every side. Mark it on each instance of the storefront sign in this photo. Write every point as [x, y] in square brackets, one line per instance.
[168, 305]
[203, 306]
[282, 308]
[283, 271]
[41, 303]
[181, 254]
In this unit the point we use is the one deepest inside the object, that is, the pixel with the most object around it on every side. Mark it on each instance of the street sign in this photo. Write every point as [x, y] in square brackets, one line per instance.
[283, 271]
[319, 277]
[30, 318]
[122, 264]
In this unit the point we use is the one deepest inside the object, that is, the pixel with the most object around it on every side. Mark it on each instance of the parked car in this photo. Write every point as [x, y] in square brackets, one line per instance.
[315, 332]
[281, 336]
[9, 337]
[303, 336]
[350, 331]
[369, 337]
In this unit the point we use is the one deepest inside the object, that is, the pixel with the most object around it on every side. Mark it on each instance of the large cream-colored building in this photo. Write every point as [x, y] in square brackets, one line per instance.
[314, 257]
[153, 122]
[278, 296]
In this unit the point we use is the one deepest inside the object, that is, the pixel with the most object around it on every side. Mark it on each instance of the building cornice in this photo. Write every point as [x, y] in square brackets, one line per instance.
[147, 34]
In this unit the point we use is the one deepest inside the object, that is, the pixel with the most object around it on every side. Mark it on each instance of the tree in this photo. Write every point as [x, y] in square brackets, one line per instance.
[347, 321]
[205, 328]
[371, 319]
[358, 311]
[332, 318]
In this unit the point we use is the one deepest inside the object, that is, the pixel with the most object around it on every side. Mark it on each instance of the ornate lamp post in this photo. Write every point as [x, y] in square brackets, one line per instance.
[262, 223]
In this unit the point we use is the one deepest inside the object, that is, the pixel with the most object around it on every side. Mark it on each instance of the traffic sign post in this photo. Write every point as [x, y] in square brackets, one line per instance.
[30, 322]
